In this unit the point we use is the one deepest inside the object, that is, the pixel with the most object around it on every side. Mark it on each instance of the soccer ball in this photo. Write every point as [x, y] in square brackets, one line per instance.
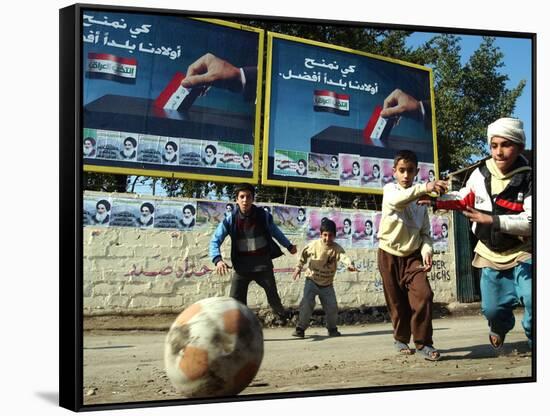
[214, 348]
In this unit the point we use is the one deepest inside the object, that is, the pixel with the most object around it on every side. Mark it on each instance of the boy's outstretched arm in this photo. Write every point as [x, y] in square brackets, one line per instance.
[347, 261]
[398, 198]
[222, 231]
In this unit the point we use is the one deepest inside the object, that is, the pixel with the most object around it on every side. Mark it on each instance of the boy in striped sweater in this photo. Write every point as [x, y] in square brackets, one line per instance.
[251, 230]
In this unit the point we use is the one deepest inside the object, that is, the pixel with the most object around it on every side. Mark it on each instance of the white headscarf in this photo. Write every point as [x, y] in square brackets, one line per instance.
[508, 128]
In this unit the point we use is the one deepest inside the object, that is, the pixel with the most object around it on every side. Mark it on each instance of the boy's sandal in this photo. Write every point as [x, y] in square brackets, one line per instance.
[402, 348]
[429, 353]
[496, 340]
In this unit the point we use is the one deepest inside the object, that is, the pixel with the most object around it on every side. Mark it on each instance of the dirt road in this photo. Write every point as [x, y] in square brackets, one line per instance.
[127, 366]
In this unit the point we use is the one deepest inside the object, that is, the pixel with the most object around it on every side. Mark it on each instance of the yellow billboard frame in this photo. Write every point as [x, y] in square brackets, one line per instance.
[326, 187]
[257, 128]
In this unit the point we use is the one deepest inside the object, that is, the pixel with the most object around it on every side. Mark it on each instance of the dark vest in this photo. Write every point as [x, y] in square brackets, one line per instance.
[508, 202]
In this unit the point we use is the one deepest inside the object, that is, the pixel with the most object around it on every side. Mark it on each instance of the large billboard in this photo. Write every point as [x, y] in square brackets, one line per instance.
[170, 96]
[326, 125]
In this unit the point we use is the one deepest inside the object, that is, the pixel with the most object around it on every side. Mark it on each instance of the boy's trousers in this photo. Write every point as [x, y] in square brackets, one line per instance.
[328, 301]
[501, 292]
[409, 297]
[265, 279]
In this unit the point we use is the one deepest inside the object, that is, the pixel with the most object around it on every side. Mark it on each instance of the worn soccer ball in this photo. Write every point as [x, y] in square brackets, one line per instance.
[214, 348]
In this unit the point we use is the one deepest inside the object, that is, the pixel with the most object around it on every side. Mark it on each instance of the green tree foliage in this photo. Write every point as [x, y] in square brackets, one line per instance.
[104, 182]
[468, 96]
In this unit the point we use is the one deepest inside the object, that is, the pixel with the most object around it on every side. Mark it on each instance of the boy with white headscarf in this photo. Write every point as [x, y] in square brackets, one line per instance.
[497, 200]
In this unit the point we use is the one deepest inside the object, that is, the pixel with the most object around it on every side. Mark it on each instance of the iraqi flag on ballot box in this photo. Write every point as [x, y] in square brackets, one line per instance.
[111, 67]
[176, 97]
[324, 100]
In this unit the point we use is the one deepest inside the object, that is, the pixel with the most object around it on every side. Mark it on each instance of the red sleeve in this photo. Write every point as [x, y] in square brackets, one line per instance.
[457, 204]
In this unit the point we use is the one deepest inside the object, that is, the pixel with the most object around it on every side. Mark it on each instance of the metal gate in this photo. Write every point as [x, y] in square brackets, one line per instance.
[467, 276]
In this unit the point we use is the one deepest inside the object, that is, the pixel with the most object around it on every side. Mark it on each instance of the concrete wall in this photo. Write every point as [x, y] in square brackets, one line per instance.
[138, 271]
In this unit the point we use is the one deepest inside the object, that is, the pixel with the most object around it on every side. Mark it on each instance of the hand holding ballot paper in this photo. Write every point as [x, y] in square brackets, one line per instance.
[398, 103]
[209, 70]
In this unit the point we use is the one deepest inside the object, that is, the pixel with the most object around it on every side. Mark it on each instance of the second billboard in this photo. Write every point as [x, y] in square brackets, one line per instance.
[335, 117]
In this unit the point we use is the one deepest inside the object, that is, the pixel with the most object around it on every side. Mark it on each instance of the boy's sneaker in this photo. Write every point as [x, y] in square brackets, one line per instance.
[298, 332]
[282, 317]
[334, 332]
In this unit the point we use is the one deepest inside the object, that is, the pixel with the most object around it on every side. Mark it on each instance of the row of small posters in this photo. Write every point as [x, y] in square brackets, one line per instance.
[353, 229]
[349, 170]
[160, 150]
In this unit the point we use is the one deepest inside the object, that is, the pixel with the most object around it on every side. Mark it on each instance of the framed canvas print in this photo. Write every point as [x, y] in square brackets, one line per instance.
[258, 207]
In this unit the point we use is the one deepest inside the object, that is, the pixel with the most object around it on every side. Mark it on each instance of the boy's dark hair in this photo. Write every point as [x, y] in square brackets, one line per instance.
[328, 225]
[407, 156]
[243, 187]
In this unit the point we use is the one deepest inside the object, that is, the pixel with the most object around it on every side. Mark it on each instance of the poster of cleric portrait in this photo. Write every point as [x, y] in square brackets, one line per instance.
[291, 220]
[326, 100]
[147, 106]
[440, 233]
[290, 163]
[426, 173]
[323, 166]
[211, 213]
[175, 214]
[132, 212]
[96, 210]
[343, 227]
[350, 170]
[371, 176]
[362, 230]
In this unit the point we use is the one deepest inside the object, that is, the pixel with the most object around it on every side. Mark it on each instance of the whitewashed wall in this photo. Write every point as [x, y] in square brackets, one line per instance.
[138, 271]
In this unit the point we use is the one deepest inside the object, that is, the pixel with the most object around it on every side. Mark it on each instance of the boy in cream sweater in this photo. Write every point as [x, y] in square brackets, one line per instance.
[405, 257]
[323, 255]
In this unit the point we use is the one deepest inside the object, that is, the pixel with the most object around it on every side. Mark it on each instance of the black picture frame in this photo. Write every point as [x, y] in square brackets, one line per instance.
[71, 201]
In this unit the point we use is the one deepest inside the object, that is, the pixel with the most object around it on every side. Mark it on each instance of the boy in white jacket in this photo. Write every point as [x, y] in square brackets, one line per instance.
[497, 200]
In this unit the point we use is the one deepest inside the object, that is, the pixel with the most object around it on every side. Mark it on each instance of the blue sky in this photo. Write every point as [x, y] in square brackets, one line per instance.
[517, 65]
